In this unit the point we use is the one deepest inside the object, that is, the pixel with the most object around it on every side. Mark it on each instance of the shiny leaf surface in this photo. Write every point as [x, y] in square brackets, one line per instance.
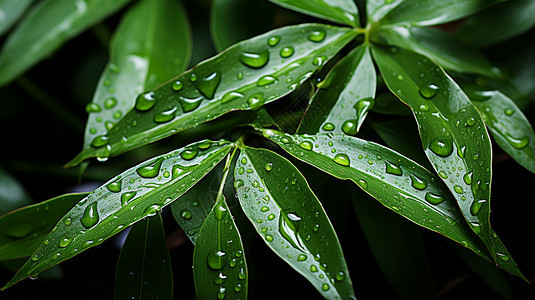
[345, 96]
[446, 50]
[143, 56]
[10, 11]
[137, 193]
[377, 9]
[339, 11]
[144, 266]
[45, 28]
[508, 125]
[244, 77]
[452, 131]
[22, 230]
[288, 216]
[432, 12]
[12, 193]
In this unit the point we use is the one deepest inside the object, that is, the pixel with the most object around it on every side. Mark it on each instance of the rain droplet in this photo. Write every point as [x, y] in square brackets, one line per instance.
[307, 145]
[92, 108]
[269, 238]
[471, 121]
[255, 60]
[269, 166]
[219, 212]
[64, 242]
[317, 36]
[502, 256]
[110, 103]
[189, 104]
[90, 217]
[126, 197]
[476, 206]
[177, 85]
[273, 41]
[393, 169]
[238, 288]
[189, 154]
[216, 259]
[265, 80]
[231, 96]
[238, 183]
[286, 52]
[99, 141]
[349, 127]
[302, 257]
[458, 189]
[362, 183]
[150, 170]
[145, 101]
[114, 186]
[255, 101]
[186, 214]
[342, 159]
[340, 276]
[328, 126]
[208, 85]
[325, 287]
[508, 112]
[429, 91]
[193, 77]
[442, 146]
[518, 143]
[165, 116]
[468, 178]
[313, 269]
[418, 183]
[434, 199]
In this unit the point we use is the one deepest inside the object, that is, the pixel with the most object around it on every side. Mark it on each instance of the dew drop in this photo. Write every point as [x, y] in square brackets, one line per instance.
[193, 77]
[508, 112]
[177, 85]
[319, 60]
[274, 40]
[340, 276]
[219, 212]
[99, 141]
[302, 257]
[145, 101]
[269, 166]
[269, 238]
[126, 197]
[458, 189]
[442, 146]
[341, 159]
[64, 242]
[150, 170]
[189, 154]
[393, 169]
[325, 287]
[216, 259]
[313, 269]
[238, 183]
[189, 104]
[255, 101]
[468, 178]
[476, 206]
[208, 85]
[186, 214]
[471, 121]
[518, 143]
[231, 96]
[67, 221]
[434, 199]
[429, 91]
[165, 116]
[266, 80]
[90, 217]
[92, 108]
[307, 145]
[286, 52]
[328, 126]
[114, 186]
[502, 256]
[110, 103]
[317, 36]
[255, 60]
[349, 127]
[362, 183]
[418, 183]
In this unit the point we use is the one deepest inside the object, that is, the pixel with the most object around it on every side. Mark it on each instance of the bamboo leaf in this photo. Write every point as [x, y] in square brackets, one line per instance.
[397, 182]
[219, 264]
[507, 123]
[288, 216]
[45, 28]
[339, 11]
[10, 12]
[345, 96]
[143, 56]
[453, 135]
[432, 12]
[22, 230]
[498, 23]
[244, 77]
[232, 21]
[443, 48]
[137, 193]
[144, 266]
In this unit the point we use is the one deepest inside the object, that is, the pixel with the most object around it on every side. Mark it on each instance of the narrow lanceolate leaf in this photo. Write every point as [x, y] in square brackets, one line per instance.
[10, 11]
[288, 216]
[446, 50]
[219, 265]
[195, 205]
[339, 11]
[144, 266]
[386, 231]
[508, 125]
[46, 27]
[345, 96]
[498, 23]
[244, 77]
[376, 9]
[232, 21]
[452, 131]
[22, 230]
[432, 12]
[137, 193]
[143, 56]
[394, 180]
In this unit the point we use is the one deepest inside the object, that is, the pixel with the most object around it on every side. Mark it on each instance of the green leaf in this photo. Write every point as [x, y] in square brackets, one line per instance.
[386, 103]
[452, 131]
[377, 9]
[219, 264]
[232, 21]
[508, 125]
[432, 12]
[144, 266]
[345, 96]
[137, 193]
[143, 56]
[385, 231]
[195, 205]
[22, 230]
[45, 28]
[244, 77]
[288, 216]
[498, 23]
[443, 48]
[338, 11]
[394, 180]
[10, 11]
[12, 193]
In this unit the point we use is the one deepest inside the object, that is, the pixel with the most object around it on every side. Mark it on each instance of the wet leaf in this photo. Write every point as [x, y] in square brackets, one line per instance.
[377, 9]
[507, 123]
[45, 28]
[10, 12]
[498, 23]
[219, 264]
[143, 55]
[345, 96]
[339, 11]
[244, 77]
[232, 21]
[288, 216]
[22, 230]
[395, 181]
[137, 193]
[443, 48]
[431, 12]
[453, 135]
[144, 266]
